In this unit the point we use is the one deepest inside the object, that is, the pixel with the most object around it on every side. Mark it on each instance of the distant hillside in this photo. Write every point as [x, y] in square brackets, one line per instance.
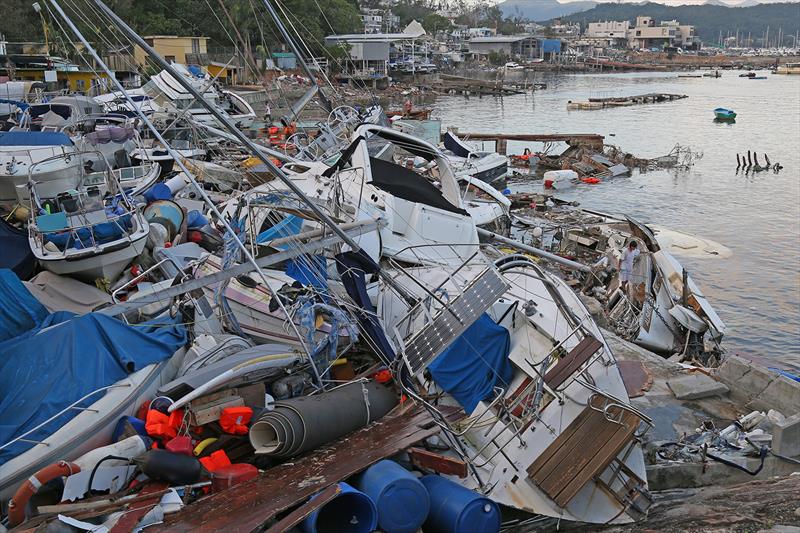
[542, 9]
[709, 20]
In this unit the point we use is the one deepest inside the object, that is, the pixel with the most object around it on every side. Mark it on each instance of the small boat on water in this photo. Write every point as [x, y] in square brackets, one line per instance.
[722, 113]
[758, 77]
[748, 75]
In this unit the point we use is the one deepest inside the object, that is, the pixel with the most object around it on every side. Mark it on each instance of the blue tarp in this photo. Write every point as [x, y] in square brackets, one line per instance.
[19, 310]
[34, 138]
[65, 357]
[550, 45]
[478, 360]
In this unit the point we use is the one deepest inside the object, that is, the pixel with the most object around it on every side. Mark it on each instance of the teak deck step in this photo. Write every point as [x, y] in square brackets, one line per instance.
[571, 362]
[571, 461]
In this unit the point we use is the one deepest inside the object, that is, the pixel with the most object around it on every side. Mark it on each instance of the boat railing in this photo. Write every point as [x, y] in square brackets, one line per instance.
[81, 199]
[426, 328]
[74, 406]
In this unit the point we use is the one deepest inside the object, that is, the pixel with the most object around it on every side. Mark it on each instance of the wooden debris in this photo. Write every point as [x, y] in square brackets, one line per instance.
[255, 502]
[437, 462]
[302, 512]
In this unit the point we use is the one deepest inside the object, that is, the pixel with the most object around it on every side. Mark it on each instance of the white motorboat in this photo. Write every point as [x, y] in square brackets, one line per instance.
[168, 96]
[81, 235]
[48, 157]
[490, 167]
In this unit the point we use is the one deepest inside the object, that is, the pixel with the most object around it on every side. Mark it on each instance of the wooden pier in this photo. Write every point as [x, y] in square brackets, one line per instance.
[592, 140]
[461, 85]
[621, 101]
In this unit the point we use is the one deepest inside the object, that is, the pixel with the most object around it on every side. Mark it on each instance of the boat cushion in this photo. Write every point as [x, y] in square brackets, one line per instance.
[103, 233]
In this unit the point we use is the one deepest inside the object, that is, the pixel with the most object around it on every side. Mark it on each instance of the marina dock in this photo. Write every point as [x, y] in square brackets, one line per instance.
[619, 101]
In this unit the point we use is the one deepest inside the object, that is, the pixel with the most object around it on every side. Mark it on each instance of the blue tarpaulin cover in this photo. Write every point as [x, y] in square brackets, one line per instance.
[65, 357]
[478, 360]
[19, 310]
[34, 138]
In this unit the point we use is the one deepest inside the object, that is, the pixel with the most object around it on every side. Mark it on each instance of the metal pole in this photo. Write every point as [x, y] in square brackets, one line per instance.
[296, 51]
[179, 162]
[223, 120]
[535, 251]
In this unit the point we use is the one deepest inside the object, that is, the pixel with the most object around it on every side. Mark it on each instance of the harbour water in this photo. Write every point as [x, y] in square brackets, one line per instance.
[756, 291]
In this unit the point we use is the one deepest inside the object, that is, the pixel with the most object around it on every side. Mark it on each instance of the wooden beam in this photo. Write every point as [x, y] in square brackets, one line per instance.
[437, 462]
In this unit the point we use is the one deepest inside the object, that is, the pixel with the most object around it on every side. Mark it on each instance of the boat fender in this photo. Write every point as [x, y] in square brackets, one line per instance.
[16, 507]
[174, 468]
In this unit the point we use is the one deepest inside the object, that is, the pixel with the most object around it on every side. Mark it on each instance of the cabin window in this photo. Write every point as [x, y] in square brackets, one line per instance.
[169, 59]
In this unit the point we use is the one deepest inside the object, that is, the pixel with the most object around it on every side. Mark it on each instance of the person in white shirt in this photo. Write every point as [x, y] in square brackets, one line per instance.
[626, 263]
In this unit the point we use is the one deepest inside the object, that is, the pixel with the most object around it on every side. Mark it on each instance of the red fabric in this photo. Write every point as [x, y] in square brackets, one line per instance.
[215, 461]
[234, 420]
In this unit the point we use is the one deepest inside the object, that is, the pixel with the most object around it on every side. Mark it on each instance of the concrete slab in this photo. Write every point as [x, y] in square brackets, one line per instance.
[786, 437]
[696, 386]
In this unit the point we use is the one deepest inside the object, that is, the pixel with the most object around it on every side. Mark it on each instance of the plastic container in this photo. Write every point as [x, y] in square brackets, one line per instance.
[128, 422]
[228, 476]
[351, 511]
[401, 499]
[455, 509]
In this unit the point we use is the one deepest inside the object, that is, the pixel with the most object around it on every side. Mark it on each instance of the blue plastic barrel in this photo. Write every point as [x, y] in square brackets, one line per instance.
[401, 499]
[455, 509]
[351, 511]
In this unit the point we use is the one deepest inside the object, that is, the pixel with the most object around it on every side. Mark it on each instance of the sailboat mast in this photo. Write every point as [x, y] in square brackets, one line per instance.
[296, 51]
[223, 120]
[186, 171]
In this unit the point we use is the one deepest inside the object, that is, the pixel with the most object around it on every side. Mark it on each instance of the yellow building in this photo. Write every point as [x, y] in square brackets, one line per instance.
[74, 80]
[172, 47]
[228, 74]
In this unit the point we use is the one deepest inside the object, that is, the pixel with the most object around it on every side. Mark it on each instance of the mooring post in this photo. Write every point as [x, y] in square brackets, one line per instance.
[685, 293]
[738, 163]
[755, 158]
[749, 160]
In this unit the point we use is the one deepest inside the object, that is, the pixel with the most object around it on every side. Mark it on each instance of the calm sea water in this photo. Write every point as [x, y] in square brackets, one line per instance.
[757, 290]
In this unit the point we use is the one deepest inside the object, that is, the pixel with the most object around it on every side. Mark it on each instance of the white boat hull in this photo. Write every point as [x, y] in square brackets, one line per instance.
[92, 427]
[106, 261]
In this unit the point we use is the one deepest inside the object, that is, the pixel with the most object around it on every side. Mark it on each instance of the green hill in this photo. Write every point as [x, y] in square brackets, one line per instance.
[709, 20]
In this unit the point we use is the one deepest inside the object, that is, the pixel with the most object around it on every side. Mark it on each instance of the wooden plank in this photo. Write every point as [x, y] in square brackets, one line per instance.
[564, 437]
[574, 464]
[601, 460]
[437, 462]
[570, 363]
[302, 512]
[254, 502]
[575, 454]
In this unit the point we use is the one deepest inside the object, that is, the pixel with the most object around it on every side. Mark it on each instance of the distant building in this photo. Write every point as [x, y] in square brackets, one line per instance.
[373, 20]
[645, 34]
[684, 34]
[516, 46]
[174, 48]
[285, 60]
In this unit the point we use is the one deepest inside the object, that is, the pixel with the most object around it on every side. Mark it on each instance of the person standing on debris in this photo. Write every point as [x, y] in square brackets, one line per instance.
[626, 263]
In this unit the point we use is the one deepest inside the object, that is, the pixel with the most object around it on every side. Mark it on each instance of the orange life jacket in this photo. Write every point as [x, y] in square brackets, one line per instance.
[234, 420]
